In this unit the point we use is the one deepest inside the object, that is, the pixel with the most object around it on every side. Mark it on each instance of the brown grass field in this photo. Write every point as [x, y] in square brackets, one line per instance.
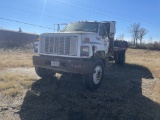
[147, 58]
[151, 60]
[129, 92]
[11, 84]
[15, 58]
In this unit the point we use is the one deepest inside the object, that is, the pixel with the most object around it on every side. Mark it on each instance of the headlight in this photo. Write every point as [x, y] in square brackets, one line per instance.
[36, 46]
[84, 51]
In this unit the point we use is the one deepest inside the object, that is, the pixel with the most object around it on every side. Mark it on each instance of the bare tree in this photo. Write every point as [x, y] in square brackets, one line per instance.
[142, 33]
[134, 30]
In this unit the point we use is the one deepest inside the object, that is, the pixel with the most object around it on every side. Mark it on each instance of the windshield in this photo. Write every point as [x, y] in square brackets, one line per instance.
[82, 26]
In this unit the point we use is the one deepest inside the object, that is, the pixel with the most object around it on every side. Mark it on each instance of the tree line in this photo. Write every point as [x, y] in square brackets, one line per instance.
[137, 32]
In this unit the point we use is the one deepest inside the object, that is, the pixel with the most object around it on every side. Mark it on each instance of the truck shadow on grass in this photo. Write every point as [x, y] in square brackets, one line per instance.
[118, 98]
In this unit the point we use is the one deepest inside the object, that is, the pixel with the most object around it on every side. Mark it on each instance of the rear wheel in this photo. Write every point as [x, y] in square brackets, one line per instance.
[119, 57]
[122, 58]
[93, 80]
[116, 57]
[44, 73]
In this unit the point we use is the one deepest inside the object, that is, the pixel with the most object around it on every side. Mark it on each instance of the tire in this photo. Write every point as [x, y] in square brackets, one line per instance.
[93, 80]
[44, 73]
[122, 58]
[116, 57]
[119, 57]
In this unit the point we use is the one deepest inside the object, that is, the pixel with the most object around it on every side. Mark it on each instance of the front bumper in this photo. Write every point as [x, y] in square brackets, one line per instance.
[71, 65]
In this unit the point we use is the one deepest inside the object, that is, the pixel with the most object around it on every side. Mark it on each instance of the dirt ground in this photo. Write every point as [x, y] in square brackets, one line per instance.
[123, 95]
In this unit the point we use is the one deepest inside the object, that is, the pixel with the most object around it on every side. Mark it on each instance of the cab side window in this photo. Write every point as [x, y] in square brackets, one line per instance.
[102, 30]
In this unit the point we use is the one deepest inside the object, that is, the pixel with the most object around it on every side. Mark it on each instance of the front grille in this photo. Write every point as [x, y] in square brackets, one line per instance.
[59, 45]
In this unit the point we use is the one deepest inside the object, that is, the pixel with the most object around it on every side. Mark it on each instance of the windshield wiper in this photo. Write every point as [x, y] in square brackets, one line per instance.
[79, 30]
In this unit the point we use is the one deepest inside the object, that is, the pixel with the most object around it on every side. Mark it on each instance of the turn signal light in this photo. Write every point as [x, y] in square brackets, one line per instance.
[87, 40]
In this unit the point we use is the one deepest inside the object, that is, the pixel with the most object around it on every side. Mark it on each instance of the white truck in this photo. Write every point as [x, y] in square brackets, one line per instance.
[83, 47]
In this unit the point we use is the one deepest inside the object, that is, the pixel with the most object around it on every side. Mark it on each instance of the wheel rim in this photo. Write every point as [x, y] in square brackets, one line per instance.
[97, 75]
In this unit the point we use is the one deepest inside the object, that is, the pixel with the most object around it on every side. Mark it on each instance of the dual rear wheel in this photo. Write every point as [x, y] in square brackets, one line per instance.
[119, 57]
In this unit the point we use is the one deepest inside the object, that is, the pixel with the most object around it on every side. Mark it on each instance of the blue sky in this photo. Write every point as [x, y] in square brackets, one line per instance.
[46, 13]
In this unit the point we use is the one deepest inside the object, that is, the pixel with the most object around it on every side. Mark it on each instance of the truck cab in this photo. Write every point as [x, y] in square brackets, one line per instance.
[81, 47]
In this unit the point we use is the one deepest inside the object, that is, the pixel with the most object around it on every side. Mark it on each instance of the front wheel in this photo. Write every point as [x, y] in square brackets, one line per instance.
[93, 80]
[44, 73]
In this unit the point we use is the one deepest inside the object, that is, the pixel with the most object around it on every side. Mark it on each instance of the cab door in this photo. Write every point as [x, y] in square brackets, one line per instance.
[104, 38]
[110, 31]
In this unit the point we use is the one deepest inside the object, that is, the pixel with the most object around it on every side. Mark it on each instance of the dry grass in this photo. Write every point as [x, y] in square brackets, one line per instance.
[147, 58]
[12, 84]
[15, 58]
[151, 60]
